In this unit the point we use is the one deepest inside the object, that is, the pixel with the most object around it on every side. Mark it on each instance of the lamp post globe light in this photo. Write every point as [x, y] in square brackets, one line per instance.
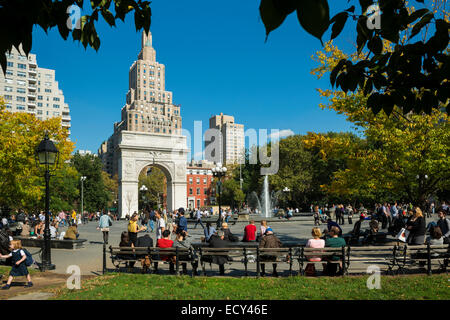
[286, 191]
[219, 172]
[47, 156]
[143, 188]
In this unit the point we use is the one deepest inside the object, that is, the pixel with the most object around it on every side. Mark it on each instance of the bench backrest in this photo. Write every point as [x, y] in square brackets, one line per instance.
[147, 250]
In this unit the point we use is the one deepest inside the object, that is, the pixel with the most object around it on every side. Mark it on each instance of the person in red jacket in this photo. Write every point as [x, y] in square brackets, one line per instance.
[165, 242]
[250, 232]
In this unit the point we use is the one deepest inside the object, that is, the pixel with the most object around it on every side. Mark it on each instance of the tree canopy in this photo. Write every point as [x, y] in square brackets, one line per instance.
[412, 76]
[402, 157]
[18, 17]
[22, 183]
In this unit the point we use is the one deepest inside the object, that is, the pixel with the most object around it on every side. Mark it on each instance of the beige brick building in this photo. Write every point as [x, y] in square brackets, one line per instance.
[29, 88]
[231, 146]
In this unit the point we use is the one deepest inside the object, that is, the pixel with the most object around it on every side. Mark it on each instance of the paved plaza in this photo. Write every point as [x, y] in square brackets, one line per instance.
[89, 258]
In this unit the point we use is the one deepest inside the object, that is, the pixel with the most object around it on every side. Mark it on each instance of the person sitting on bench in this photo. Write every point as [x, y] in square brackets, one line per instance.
[218, 241]
[334, 242]
[165, 242]
[269, 241]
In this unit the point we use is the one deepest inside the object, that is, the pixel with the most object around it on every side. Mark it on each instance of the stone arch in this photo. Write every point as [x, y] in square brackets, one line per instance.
[138, 150]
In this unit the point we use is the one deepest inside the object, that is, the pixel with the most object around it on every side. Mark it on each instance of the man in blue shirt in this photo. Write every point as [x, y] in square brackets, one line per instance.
[182, 222]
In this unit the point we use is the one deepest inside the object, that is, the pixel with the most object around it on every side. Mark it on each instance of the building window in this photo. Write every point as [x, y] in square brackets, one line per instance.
[190, 191]
[48, 90]
[198, 180]
[8, 89]
[21, 99]
[198, 191]
[21, 66]
[190, 180]
[21, 74]
[10, 64]
[20, 107]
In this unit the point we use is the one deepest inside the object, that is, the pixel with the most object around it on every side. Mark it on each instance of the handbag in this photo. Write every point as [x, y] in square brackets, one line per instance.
[403, 235]
[109, 222]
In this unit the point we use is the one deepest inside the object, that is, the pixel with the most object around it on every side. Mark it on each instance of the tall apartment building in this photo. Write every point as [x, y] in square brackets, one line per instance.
[149, 106]
[231, 146]
[29, 88]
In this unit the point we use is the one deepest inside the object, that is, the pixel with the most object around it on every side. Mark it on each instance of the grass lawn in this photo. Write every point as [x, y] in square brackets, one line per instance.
[4, 270]
[157, 287]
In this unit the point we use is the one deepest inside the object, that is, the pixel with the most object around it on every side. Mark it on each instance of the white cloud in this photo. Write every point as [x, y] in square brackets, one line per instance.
[281, 134]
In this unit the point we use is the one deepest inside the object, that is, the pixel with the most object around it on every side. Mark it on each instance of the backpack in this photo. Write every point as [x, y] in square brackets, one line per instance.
[29, 260]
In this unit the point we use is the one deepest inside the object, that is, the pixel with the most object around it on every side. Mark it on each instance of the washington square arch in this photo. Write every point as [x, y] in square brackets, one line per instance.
[138, 150]
[149, 134]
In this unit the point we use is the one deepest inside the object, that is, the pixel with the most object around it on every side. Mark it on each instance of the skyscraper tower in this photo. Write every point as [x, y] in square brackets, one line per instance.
[149, 107]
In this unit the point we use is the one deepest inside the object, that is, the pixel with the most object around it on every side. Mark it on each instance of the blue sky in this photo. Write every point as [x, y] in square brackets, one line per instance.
[216, 61]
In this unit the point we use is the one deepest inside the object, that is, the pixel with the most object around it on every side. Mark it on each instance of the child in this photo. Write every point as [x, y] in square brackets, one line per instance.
[19, 267]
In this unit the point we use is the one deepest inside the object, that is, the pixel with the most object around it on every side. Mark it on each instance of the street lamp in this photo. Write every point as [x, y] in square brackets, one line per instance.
[219, 172]
[47, 155]
[143, 189]
[286, 190]
[82, 179]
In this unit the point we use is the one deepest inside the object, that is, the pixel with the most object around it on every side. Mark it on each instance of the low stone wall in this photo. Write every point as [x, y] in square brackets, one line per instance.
[54, 243]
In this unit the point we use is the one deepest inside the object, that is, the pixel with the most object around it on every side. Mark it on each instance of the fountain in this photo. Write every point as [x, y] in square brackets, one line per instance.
[266, 202]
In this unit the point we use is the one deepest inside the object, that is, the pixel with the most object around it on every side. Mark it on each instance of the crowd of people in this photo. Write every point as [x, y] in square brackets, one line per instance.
[171, 229]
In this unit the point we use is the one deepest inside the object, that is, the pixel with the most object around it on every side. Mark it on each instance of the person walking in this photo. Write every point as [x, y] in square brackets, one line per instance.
[160, 225]
[19, 267]
[316, 215]
[182, 221]
[103, 224]
[198, 216]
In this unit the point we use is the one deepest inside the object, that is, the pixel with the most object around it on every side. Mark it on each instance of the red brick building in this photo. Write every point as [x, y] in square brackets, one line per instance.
[199, 192]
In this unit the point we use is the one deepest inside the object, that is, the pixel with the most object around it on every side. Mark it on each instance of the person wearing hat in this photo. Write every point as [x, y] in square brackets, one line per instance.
[269, 241]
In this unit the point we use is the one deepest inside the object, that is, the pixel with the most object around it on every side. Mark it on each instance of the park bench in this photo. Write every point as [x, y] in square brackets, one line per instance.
[247, 255]
[125, 255]
[409, 256]
[304, 254]
[385, 255]
[275, 255]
